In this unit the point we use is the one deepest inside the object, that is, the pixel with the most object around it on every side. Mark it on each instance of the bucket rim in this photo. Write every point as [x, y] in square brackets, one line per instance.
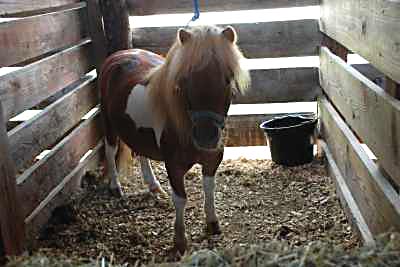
[308, 120]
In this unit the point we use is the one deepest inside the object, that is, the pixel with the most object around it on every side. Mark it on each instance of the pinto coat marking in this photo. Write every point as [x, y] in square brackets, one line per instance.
[174, 110]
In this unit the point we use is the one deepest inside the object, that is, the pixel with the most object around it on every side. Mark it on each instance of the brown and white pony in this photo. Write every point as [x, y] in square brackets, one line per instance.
[173, 110]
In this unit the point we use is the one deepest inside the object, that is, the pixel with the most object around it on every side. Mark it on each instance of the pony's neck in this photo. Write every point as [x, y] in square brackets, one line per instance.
[168, 103]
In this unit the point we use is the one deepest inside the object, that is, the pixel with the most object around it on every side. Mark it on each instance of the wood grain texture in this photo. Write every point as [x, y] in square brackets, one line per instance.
[281, 85]
[40, 179]
[34, 83]
[244, 130]
[150, 7]
[256, 40]
[43, 131]
[116, 25]
[97, 34]
[30, 37]
[63, 192]
[11, 226]
[370, 111]
[347, 201]
[369, 28]
[9, 7]
[377, 200]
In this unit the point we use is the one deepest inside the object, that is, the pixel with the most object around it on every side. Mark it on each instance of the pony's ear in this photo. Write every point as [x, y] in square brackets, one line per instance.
[184, 36]
[230, 34]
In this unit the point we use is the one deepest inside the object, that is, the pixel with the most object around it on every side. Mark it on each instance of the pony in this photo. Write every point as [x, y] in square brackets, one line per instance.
[173, 109]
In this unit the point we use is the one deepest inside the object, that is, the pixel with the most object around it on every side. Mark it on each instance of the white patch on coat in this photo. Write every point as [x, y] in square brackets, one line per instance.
[148, 174]
[209, 200]
[111, 152]
[139, 109]
[179, 204]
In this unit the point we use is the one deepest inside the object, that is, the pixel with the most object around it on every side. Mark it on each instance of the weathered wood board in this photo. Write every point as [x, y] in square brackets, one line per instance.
[369, 28]
[42, 177]
[378, 202]
[244, 130]
[281, 85]
[31, 37]
[150, 7]
[28, 86]
[256, 40]
[370, 111]
[62, 192]
[347, 201]
[10, 7]
[11, 226]
[30, 138]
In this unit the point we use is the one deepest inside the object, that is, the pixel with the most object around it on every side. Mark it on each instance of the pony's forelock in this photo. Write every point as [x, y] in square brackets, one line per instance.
[205, 45]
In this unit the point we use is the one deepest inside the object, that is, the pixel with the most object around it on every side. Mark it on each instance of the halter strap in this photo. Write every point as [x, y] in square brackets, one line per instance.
[218, 119]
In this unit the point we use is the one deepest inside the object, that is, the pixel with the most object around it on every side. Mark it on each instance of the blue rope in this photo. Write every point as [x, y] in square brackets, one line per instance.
[196, 10]
[196, 15]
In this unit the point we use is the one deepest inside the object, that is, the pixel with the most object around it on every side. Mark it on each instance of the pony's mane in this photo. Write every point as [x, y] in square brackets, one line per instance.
[207, 45]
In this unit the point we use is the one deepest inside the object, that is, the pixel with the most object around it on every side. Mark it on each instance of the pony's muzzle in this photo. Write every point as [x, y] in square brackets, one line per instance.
[207, 129]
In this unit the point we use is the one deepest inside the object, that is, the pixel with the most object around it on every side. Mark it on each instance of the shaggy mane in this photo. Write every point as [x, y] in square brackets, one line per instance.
[207, 45]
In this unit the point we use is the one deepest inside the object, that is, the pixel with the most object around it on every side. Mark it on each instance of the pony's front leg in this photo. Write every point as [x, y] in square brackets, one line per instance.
[112, 173]
[209, 170]
[176, 175]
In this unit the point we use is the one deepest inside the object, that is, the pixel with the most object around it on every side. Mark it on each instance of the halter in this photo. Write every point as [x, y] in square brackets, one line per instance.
[217, 119]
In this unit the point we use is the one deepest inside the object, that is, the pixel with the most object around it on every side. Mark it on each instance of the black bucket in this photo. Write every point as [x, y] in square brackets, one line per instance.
[290, 139]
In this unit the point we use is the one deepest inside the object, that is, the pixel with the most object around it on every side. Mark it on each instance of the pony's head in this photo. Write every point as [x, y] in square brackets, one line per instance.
[196, 84]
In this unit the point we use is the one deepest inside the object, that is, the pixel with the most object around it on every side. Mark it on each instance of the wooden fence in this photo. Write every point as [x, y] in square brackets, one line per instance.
[354, 110]
[48, 47]
[50, 69]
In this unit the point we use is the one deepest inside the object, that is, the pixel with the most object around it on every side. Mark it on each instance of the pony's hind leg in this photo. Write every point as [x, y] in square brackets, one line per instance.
[112, 173]
[149, 178]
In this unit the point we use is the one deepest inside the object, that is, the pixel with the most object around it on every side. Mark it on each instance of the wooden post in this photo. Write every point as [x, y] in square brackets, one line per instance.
[116, 25]
[11, 221]
[118, 36]
[99, 53]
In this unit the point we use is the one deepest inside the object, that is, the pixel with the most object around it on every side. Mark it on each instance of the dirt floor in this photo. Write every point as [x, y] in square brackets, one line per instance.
[256, 200]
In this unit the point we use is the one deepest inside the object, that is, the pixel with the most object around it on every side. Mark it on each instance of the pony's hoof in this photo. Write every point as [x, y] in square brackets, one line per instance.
[180, 249]
[116, 192]
[213, 228]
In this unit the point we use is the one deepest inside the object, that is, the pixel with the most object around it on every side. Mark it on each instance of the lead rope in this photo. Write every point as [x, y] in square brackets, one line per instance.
[196, 12]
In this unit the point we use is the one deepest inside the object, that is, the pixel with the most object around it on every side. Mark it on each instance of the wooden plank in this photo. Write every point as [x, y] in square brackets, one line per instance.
[60, 195]
[378, 201]
[150, 7]
[43, 131]
[244, 130]
[347, 201]
[281, 85]
[11, 226]
[369, 28]
[10, 7]
[31, 37]
[116, 25]
[363, 104]
[28, 86]
[38, 181]
[256, 40]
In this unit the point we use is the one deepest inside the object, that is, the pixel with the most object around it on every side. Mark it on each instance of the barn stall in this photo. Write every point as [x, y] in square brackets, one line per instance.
[52, 48]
